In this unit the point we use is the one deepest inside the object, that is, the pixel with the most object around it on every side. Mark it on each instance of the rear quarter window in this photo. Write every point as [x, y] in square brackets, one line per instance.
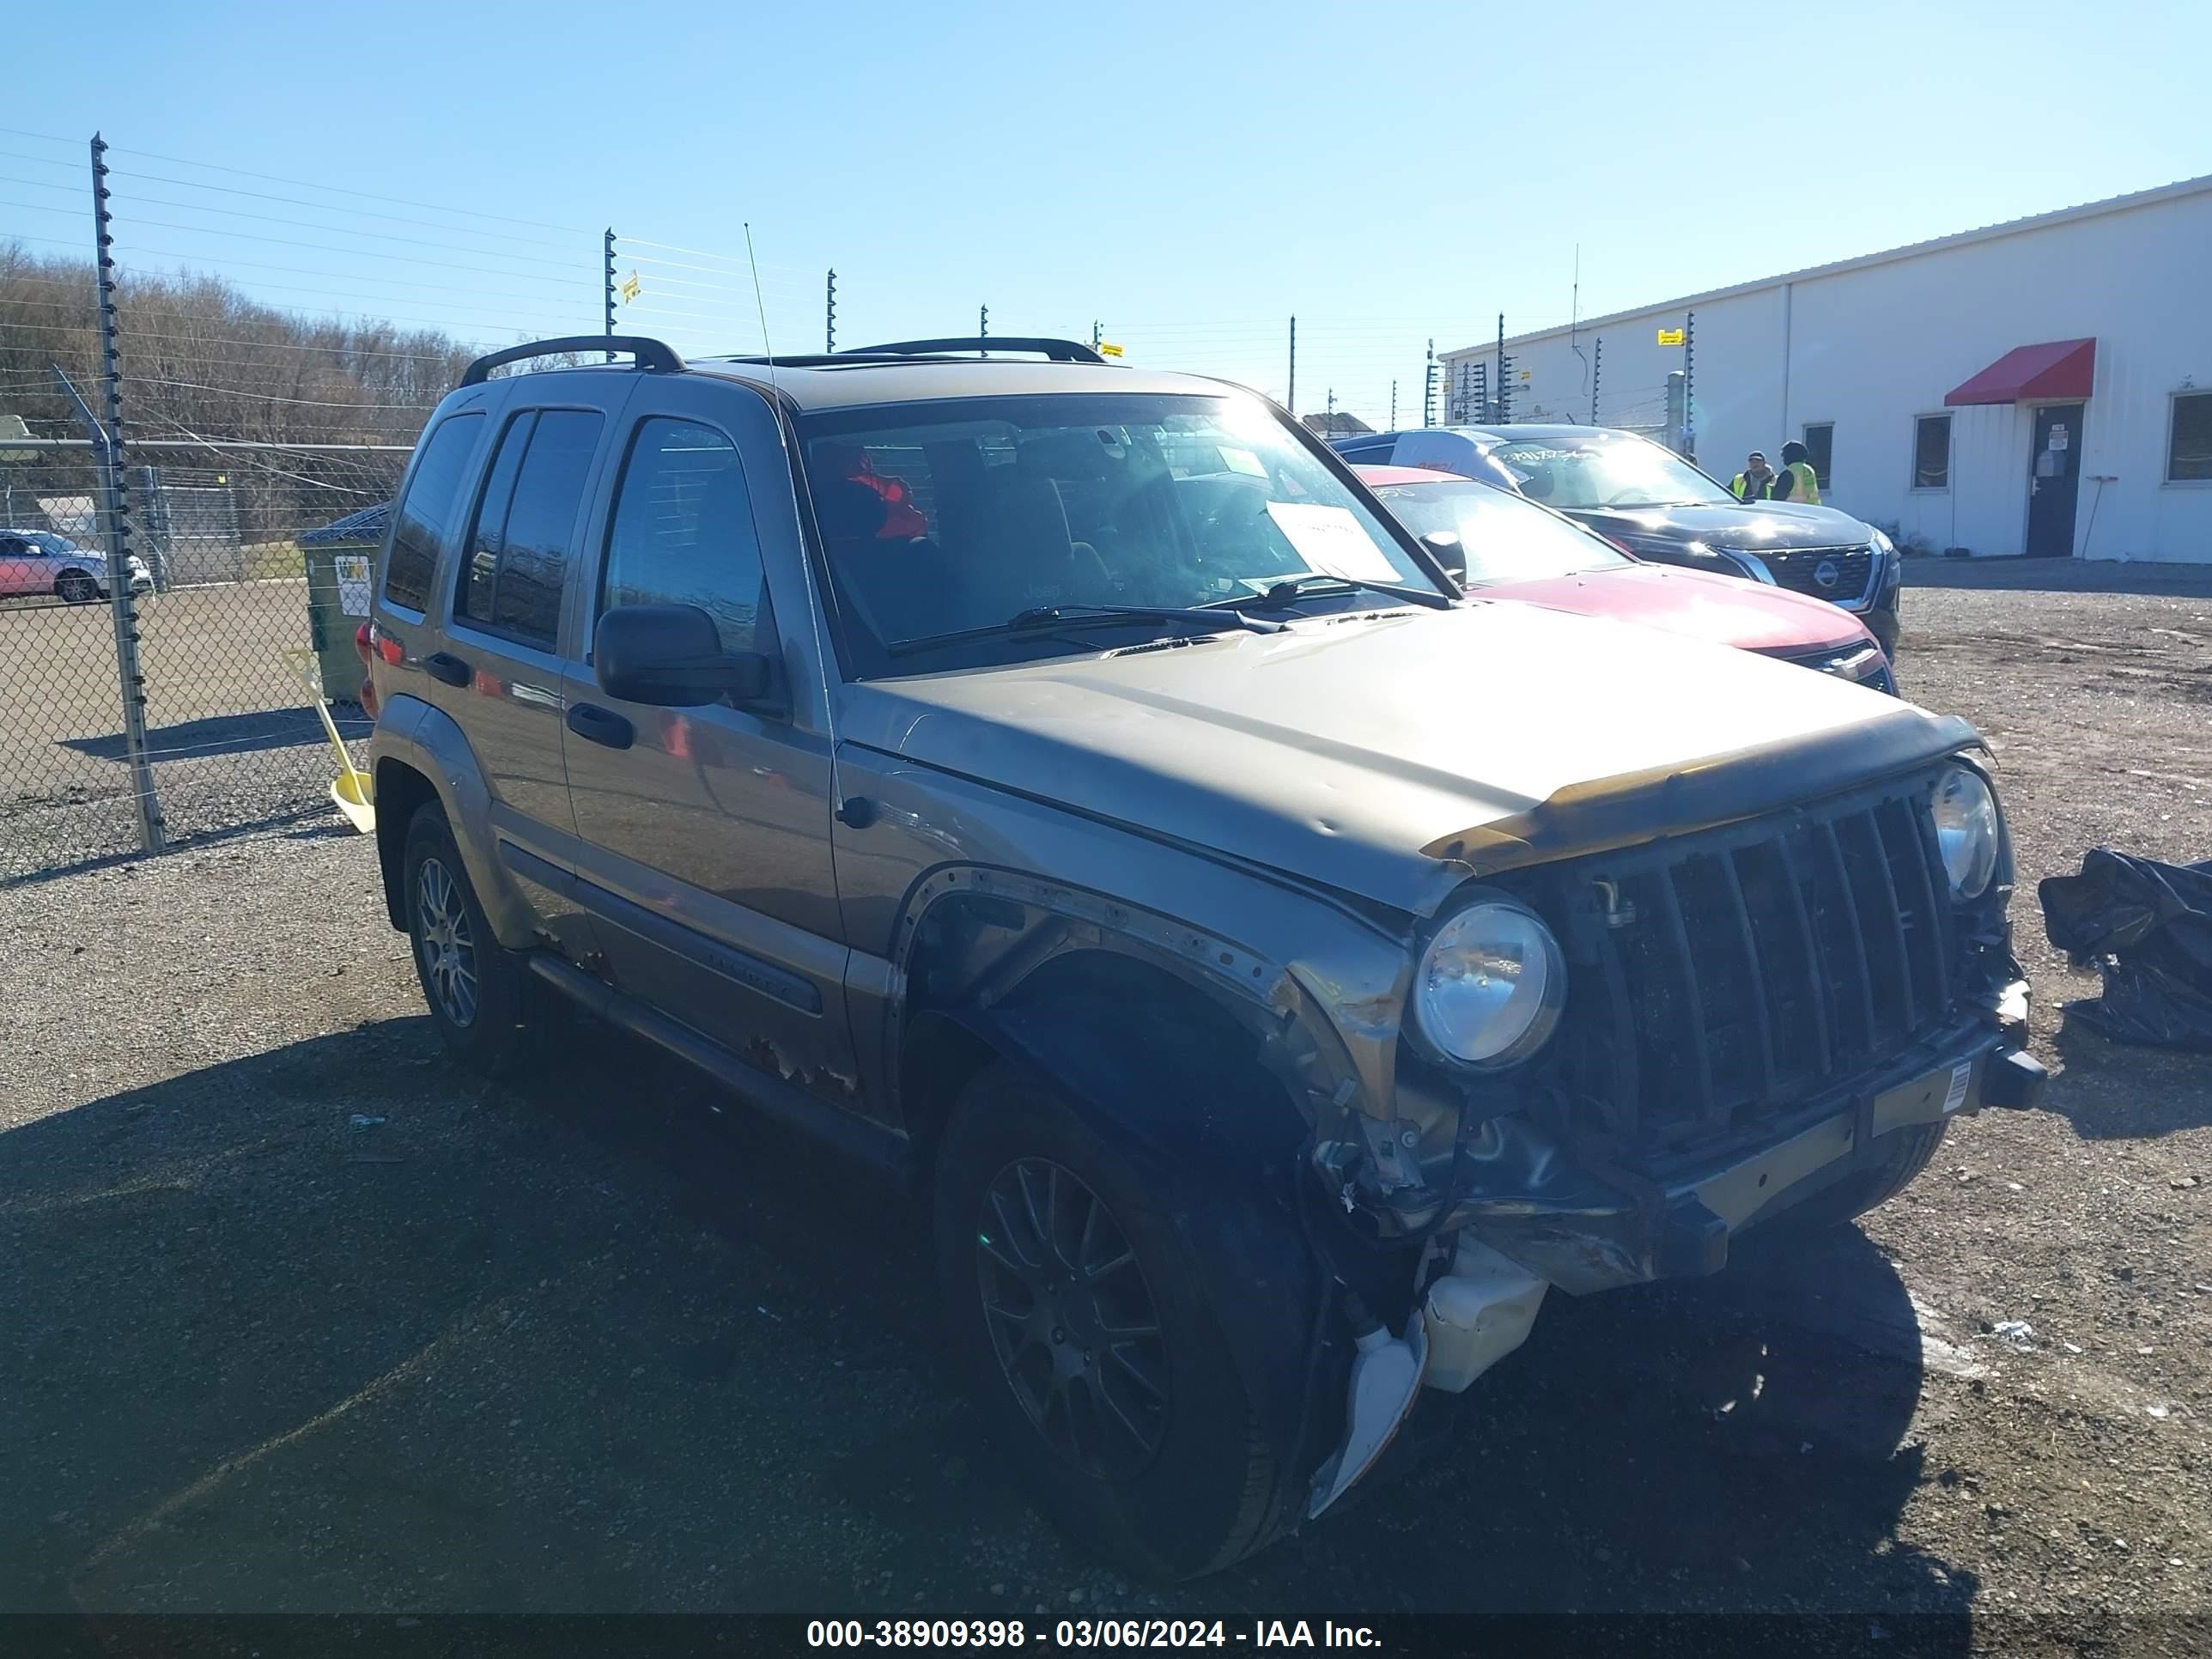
[428, 511]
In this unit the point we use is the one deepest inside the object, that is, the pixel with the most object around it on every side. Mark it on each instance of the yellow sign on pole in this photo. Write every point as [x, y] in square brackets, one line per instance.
[1670, 337]
[631, 288]
[1107, 348]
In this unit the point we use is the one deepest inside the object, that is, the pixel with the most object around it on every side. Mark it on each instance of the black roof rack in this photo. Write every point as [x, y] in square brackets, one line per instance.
[650, 354]
[1059, 351]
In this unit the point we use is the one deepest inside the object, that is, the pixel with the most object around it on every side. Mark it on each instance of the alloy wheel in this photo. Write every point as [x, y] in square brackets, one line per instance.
[1072, 1320]
[446, 942]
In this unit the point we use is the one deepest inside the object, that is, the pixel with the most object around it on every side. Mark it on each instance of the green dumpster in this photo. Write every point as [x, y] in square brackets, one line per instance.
[339, 557]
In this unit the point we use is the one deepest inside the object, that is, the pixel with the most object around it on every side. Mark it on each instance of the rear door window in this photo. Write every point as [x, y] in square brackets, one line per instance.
[524, 539]
[428, 511]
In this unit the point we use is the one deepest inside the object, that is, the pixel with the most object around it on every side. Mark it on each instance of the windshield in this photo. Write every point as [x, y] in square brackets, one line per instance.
[1605, 470]
[1506, 539]
[963, 514]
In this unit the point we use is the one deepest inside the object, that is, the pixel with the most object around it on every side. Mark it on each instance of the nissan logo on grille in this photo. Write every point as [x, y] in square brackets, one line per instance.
[1827, 573]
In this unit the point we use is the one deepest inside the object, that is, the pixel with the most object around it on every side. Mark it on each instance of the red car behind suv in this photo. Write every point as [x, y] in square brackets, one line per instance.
[1512, 548]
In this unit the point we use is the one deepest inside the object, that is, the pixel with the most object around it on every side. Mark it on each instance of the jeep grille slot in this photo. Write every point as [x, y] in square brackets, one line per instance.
[1746, 972]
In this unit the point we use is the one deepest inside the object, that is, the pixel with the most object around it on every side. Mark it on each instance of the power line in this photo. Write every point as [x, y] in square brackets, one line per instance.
[267, 398]
[335, 230]
[335, 190]
[295, 201]
[352, 253]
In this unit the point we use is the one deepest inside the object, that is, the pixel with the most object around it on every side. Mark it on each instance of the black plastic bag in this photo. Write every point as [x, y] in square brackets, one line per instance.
[2147, 926]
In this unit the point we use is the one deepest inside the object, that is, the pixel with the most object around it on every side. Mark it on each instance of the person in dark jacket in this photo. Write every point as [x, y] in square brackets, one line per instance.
[1797, 482]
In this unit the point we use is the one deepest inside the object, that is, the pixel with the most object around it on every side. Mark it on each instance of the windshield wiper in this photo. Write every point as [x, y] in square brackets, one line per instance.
[1292, 589]
[1047, 619]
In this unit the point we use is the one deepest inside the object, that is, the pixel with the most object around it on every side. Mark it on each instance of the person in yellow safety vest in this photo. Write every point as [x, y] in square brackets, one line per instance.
[1755, 482]
[1796, 481]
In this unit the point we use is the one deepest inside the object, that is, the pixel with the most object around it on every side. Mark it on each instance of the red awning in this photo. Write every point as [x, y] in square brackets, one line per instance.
[2056, 368]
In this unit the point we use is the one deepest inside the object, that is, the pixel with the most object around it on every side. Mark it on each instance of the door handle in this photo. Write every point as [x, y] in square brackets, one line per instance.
[597, 725]
[445, 666]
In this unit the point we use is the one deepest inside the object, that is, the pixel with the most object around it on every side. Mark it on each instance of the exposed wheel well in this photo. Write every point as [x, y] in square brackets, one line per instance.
[400, 789]
[1160, 1026]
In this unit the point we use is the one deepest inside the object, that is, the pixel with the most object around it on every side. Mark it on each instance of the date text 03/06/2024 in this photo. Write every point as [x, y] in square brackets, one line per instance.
[1086, 1633]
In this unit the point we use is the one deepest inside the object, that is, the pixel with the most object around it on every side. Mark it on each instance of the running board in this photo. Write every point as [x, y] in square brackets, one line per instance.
[842, 1132]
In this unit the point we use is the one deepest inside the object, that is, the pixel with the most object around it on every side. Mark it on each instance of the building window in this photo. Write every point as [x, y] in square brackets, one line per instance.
[1931, 451]
[2189, 439]
[1820, 449]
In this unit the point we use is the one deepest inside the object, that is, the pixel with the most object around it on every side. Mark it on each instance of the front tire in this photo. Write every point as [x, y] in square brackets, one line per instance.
[1082, 1322]
[478, 992]
[75, 588]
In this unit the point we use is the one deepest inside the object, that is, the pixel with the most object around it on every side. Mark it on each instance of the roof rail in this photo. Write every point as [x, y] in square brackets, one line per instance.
[1059, 351]
[650, 354]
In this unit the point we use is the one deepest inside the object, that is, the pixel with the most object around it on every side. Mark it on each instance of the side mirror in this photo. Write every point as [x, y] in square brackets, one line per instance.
[1448, 551]
[670, 657]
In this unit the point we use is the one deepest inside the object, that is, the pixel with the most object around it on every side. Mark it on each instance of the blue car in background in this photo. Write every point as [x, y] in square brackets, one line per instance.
[1650, 502]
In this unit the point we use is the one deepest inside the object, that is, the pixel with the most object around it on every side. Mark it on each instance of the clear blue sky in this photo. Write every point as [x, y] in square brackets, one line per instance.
[1187, 175]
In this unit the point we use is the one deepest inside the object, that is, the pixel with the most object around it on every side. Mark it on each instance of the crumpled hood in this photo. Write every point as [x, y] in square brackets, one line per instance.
[1337, 750]
[1725, 610]
[1750, 525]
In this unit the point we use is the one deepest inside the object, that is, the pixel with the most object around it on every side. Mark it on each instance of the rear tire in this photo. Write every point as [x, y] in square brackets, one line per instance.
[1908, 1152]
[479, 994]
[1051, 1252]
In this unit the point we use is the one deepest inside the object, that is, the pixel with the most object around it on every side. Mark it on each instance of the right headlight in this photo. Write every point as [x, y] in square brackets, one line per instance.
[1966, 830]
[1490, 986]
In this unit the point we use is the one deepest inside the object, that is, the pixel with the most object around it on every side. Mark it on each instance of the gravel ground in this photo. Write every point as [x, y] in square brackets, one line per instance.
[300, 1317]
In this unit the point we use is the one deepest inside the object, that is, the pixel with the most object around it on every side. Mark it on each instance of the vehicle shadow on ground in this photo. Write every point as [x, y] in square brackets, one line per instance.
[339, 1327]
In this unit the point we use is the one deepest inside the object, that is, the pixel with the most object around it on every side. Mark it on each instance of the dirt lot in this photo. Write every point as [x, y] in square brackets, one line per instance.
[233, 740]
[298, 1316]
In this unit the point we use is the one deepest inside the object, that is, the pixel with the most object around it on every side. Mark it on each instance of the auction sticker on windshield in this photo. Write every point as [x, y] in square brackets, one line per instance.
[1332, 541]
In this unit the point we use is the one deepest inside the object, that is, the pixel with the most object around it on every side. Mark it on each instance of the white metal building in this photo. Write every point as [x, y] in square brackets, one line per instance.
[2040, 387]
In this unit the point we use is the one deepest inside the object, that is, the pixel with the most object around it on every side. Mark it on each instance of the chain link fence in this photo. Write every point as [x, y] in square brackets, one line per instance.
[64, 795]
[233, 639]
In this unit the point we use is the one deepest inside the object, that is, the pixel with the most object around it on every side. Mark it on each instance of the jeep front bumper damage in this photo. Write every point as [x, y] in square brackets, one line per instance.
[1585, 1226]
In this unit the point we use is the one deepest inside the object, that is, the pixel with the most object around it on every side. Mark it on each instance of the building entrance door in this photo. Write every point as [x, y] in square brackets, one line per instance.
[2054, 481]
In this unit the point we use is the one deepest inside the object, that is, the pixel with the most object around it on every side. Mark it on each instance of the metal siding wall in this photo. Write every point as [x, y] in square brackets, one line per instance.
[1873, 348]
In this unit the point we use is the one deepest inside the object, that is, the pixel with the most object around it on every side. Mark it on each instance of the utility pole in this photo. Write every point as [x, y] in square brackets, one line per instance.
[829, 315]
[609, 247]
[982, 325]
[1429, 386]
[1096, 334]
[1597, 369]
[1394, 405]
[1293, 399]
[115, 514]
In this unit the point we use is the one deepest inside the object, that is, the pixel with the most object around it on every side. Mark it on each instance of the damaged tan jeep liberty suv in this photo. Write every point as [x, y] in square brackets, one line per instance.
[1063, 785]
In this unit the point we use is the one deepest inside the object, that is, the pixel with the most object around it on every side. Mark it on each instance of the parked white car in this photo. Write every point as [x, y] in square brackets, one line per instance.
[38, 562]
